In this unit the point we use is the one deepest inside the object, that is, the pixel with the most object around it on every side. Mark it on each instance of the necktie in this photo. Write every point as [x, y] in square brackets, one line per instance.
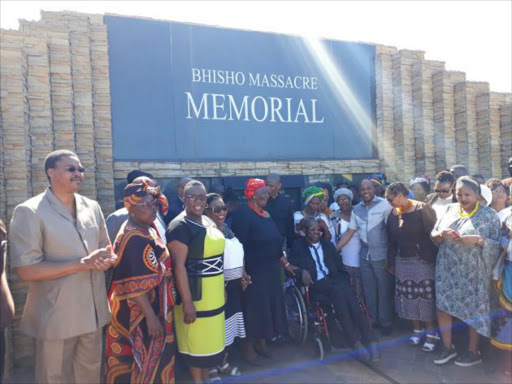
[318, 261]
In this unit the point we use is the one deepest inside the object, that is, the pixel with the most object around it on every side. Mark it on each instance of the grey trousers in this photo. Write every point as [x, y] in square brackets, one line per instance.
[377, 291]
[74, 360]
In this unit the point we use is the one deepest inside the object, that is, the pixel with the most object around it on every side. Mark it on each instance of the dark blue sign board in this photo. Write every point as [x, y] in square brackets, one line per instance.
[182, 92]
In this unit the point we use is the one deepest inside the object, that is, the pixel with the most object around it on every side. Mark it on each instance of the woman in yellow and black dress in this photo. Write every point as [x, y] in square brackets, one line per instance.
[197, 248]
[140, 339]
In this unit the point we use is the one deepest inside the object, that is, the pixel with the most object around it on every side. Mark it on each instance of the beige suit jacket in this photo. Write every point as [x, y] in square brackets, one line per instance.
[42, 229]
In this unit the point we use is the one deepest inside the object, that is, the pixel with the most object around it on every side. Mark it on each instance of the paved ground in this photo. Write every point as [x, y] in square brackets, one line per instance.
[400, 363]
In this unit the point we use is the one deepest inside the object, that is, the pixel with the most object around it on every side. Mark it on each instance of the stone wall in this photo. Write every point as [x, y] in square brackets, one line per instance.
[55, 94]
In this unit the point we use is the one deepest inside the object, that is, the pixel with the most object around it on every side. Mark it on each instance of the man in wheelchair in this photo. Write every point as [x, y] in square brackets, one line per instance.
[320, 267]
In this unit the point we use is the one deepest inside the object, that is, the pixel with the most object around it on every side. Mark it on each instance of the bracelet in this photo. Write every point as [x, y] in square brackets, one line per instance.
[287, 264]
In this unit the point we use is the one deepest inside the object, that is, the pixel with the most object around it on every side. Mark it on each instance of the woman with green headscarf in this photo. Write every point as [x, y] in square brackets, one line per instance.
[311, 198]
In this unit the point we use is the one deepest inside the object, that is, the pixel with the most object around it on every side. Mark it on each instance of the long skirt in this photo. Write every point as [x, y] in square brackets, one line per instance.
[264, 311]
[501, 326]
[414, 289]
[234, 315]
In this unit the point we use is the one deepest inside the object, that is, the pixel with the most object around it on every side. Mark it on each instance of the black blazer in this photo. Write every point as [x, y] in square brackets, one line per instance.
[302, 258]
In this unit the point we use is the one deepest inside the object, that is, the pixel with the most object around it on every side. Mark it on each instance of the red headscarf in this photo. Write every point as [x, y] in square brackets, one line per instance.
[252, 186]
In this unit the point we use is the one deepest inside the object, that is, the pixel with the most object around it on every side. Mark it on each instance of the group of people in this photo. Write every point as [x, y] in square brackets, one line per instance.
[160, 280]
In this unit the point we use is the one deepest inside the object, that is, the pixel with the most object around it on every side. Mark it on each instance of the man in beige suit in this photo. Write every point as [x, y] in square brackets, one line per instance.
[59, 244]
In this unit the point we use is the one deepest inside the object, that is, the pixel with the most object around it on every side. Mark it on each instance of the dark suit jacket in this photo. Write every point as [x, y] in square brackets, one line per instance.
[302, 258]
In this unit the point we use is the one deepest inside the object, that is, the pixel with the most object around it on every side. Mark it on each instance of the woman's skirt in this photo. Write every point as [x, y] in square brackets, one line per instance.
[414, 289]
[234, 315]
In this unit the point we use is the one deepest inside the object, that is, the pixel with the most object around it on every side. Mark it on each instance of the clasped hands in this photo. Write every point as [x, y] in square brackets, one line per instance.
[102, 259]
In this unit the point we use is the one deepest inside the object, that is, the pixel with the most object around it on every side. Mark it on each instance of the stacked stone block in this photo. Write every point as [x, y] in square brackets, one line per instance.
[403, 112]
[506, 136]
[385, 118]
[423, 115]
[465, 123]
[444, 118]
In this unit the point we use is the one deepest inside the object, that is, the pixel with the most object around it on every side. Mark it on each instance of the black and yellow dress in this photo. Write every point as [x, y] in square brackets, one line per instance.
[202, 342]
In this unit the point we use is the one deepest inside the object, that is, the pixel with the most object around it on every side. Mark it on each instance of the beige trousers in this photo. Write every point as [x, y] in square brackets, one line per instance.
[74, 360]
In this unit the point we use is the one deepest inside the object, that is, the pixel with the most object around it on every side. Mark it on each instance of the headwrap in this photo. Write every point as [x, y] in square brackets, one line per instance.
[421, 179]
[252, 186]
[311, 192]
[378, 178]
[133, 193]
[343, 191]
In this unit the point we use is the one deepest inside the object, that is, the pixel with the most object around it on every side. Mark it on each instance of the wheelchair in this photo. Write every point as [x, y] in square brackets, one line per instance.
[313, 317]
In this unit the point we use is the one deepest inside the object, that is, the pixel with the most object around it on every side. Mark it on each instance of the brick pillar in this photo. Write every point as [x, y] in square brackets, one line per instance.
[385, 121]
[60, 81]
[444, 119]
[506, 136]
[423, 114]
[101, 115]
[465, 123]
[80, 49]
[39, 101]
[403, 112]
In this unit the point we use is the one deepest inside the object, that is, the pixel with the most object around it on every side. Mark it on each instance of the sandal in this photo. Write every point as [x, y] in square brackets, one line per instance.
[416, 339]
[228, 370]
[213, 376]
[428, 346]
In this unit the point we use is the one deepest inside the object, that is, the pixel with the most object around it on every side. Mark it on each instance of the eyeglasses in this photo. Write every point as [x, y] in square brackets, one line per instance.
[499, 191]
[150, 204]
[73, 169]
[196, 197]
[447, 190]
[219, 209]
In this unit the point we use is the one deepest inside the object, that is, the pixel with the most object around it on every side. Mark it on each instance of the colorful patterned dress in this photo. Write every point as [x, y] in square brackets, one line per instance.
[143, 267]
[202, 342]
[464, 272]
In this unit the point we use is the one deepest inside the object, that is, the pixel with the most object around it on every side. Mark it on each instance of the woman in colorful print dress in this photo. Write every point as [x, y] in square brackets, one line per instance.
[140, 338]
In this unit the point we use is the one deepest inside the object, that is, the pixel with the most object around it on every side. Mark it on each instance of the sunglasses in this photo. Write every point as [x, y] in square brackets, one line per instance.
[499, 191]
[196, 197]
[442, 190]
[73, 169]
[219, 209]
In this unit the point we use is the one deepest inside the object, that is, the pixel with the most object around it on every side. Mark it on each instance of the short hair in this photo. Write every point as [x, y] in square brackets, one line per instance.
[212, 197]
[309, 222]
[192, 184]
[184, 181]
[137, 173]
[54, 157]
[471, 183]
[394, 189]
[459, 166]
[478, 177]
[445, 177]
[495, 183]
[273, 176]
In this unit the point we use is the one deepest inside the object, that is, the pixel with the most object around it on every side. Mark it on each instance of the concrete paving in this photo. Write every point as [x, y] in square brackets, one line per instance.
[400, 363]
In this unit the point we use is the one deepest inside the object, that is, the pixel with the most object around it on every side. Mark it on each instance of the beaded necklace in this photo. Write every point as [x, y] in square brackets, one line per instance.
[259, 211]
[470, 213]
[408, 206]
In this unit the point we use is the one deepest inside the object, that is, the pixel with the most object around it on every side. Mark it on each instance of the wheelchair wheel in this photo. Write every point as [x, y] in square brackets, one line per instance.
[319, 348]
[296, 315]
